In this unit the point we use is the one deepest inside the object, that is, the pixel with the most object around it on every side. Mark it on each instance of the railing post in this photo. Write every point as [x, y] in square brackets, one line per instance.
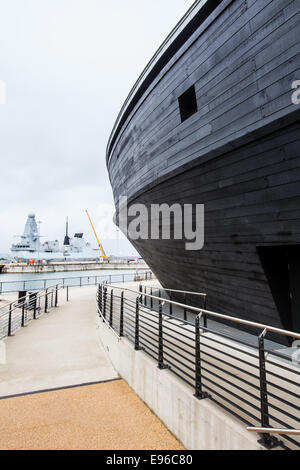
[141, 292]
[145, 297]
[9, 321]
[111, 307]
[67, 293]
[100, 298]
[266, 439]
[151, 300]
[159, 295]
[171, 305]
[137, 326]
[56, 295]
[184, 310]
[80, 282]
[122, 315]
[46, 301]
[104, 302]
[204, 314]
[23, 314]
[160, 339]
[198, 379]
[34, 306]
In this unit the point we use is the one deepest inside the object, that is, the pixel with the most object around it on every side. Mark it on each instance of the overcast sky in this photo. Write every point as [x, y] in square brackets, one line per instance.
[68, 66]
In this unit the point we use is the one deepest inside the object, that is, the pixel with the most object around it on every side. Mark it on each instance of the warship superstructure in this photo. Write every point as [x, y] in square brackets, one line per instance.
[30, 246]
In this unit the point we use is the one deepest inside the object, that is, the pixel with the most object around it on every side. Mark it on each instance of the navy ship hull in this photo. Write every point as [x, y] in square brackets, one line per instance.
[237, 152]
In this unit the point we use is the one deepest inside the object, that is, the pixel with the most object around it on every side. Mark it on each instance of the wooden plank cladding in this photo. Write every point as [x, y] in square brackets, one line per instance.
[237, 151]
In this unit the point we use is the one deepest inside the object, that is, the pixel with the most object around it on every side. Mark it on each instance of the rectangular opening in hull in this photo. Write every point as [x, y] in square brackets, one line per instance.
[281, 265]
[188, 103]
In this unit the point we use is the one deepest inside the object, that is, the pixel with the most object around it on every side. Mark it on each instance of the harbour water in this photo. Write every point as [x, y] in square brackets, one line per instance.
[30, 281]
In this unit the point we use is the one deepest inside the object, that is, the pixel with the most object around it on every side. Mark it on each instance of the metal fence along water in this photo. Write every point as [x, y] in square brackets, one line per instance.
[78, 281]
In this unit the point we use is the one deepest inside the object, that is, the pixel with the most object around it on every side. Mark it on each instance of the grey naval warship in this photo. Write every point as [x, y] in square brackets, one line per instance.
[211, 120]
[30, 246]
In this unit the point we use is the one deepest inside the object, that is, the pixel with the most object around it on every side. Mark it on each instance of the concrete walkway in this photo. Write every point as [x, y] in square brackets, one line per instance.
[59, 349]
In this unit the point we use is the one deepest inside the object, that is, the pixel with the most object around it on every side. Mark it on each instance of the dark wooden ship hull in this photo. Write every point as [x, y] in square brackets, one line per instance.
[238, 154]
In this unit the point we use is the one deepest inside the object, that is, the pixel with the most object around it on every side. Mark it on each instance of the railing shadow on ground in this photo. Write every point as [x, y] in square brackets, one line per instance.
[255, 384]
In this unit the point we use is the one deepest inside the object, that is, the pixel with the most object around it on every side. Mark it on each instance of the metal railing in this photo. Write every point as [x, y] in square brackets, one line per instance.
[79, 281]
[257, 385]
[31, 306]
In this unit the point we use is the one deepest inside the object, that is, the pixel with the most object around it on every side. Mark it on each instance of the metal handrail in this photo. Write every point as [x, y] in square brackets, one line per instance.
[295, 432]
[16, 314]
[241, 321]
[41, 293]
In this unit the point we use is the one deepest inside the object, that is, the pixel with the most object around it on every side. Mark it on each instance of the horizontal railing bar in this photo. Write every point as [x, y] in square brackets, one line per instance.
[255, 366]
[241, 379]
[153, 332]
[285, 390]
[186, 352]
[291, 440]
[179, 360]
[181, 336]
[179, 368]
[230, 346]
[277, 420]
[231, 393]
[190, 384]
[284, 412]
[250, 394]
[179, 339]
[166, 352]
[155, 358]
[146, 347]
[228, 401]
[229, 410]
[282, 400]
[290, 381]
[282, 367]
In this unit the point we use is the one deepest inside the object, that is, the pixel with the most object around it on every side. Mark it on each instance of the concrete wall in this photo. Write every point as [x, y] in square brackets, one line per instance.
[198, 424]
[62, 267]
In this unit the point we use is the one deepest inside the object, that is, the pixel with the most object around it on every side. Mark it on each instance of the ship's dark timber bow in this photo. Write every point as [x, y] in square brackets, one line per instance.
[211, 121]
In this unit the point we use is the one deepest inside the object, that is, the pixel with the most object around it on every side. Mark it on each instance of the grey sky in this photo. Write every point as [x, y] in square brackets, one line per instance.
[68, 65]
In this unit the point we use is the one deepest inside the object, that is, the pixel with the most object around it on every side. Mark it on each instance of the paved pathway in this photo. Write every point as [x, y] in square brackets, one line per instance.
[59, 349]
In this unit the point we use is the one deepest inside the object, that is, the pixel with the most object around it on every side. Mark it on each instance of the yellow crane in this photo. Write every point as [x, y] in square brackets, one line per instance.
[99, 243]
